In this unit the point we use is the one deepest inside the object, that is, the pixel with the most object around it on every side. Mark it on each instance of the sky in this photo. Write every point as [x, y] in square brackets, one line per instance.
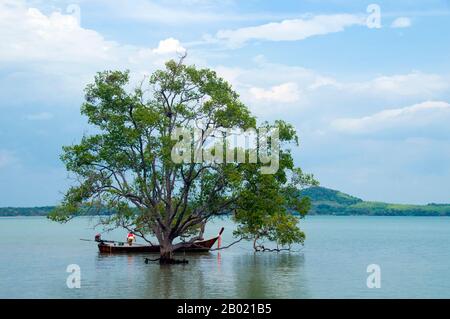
[365, 83]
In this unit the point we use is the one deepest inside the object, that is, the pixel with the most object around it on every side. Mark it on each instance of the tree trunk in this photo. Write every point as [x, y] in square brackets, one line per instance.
[166, 253]
[256, 248]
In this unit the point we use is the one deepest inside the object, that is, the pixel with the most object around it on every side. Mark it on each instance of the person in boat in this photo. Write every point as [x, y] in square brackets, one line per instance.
[130, 238]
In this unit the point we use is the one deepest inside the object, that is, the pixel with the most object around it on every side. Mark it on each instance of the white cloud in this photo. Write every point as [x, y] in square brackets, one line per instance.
[401, 22]
[52, 52]
[43, 116]
[414, 84]
[264, 74]
[168, 46]
[410, 84]
[291, 30]
[322, 81]
[230, 74]
[271, 89]
[429, 114]
[284, 93]
[28, 35]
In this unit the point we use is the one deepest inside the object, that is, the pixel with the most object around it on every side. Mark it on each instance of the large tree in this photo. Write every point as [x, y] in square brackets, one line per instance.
[128, 166]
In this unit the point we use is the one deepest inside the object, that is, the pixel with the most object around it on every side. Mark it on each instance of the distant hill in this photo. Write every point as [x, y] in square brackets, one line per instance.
[34, 211]
[29, 211]
[327, 201]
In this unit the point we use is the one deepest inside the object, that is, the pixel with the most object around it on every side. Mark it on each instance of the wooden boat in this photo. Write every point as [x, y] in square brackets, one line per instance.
[106, 246]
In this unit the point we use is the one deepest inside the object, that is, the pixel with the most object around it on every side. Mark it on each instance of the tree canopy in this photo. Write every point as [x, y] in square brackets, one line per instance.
[127, 166]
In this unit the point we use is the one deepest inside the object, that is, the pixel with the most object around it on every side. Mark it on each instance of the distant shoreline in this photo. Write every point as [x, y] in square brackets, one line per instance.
[324, 201]
[327, 201]
[309, 215]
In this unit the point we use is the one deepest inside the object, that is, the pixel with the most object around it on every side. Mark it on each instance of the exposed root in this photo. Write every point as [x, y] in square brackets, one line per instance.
[261, 248]
[167, 261]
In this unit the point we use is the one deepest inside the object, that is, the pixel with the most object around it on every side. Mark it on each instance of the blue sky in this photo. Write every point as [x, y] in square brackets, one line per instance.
[371, 105]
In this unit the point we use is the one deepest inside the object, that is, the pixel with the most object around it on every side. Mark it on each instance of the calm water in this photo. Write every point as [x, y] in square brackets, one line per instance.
[413, 253]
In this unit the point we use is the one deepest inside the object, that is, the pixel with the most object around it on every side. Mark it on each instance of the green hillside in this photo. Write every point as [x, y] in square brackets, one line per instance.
[34, 211]
[327, 201]
[29, 211]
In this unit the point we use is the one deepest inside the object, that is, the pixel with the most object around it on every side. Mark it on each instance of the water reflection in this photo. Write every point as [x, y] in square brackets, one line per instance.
[219, 261]
[393, 242]
[210, 275]
[269, 275]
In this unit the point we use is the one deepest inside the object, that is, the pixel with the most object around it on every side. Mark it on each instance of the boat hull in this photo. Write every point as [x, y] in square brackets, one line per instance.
[199, 246]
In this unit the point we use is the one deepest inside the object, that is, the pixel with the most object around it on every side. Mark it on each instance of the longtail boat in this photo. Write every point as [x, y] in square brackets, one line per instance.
[106, 246]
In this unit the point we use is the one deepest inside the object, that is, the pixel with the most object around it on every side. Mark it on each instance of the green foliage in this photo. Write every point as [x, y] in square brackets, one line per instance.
[330, 202]
[126, 167]
[324, 195]
[265, 207]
